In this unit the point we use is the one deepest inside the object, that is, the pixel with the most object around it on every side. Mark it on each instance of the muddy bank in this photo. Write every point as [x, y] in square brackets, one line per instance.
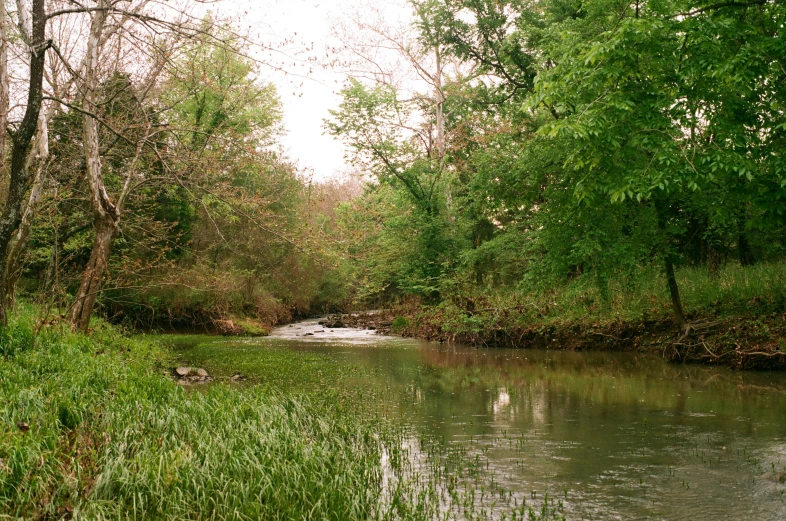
[740, 342]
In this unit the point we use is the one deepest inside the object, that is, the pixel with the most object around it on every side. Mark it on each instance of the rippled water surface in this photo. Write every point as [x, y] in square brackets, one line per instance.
[614, 436]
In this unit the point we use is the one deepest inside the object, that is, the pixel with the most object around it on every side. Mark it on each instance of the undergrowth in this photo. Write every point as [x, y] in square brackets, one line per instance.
[736, 315]
[735, 290]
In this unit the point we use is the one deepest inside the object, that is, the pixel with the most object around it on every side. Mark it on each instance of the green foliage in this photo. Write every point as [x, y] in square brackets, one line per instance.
[214, 227]
[600, 141]
[399, 323]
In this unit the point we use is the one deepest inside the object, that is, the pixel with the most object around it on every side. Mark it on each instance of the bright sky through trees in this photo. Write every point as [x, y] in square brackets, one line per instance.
[307, 89]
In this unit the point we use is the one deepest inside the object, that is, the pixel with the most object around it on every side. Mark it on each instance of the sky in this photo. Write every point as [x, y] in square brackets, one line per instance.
[307, 90]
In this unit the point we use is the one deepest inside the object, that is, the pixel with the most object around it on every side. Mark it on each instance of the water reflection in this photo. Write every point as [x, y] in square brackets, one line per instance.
[617, 436]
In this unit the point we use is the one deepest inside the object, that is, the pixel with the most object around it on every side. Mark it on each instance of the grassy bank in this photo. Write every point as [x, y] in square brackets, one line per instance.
[737, 317]
[91, 429]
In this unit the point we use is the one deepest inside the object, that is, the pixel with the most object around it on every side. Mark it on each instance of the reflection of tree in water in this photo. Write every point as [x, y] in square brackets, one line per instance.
[600, 424]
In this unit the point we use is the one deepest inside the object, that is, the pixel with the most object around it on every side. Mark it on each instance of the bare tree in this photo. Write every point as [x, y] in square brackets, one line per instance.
[407, 138]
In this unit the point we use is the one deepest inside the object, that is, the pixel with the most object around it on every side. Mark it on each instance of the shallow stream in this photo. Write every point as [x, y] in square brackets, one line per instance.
[604, 435]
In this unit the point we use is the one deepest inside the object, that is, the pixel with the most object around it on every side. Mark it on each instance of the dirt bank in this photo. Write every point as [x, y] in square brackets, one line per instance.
[740, 342]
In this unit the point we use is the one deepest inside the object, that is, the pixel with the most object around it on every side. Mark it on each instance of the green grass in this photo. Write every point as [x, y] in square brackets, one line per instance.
[108, 435]
[736, 290]
[111, 438]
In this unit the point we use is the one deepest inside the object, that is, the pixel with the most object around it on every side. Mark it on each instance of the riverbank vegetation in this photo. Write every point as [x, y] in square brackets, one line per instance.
[516, 165]
[568, 165]
[92, 430]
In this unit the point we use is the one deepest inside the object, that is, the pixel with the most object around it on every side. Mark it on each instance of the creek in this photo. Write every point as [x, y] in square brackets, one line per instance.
[592, 435]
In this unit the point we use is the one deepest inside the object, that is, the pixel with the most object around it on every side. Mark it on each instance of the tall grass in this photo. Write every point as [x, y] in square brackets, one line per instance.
[734, 290]
[90, 428]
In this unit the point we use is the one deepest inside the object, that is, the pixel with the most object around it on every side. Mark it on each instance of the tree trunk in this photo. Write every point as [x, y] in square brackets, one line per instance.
[106, 230]
[4, 96]
[440, 106]
[671, 279]
[674, 293]
[713, 260]
[37, 163]
[744, 252]
[105, 214]
[20, 176]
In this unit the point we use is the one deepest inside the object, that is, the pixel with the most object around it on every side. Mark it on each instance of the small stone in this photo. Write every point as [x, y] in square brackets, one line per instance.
[201, 372]
[183, 371]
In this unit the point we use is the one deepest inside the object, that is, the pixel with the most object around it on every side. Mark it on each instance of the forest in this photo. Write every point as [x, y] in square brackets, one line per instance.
[553, 162]
[578, 175]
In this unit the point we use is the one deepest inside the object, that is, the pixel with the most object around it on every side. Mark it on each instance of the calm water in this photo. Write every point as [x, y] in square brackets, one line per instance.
[612, 436]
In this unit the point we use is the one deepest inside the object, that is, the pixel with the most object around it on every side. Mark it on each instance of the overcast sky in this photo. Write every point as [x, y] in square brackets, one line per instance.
[307, 90]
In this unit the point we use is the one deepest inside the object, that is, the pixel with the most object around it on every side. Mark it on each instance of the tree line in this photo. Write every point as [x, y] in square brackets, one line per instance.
[142, 171]
[498, 146]
[520, 144]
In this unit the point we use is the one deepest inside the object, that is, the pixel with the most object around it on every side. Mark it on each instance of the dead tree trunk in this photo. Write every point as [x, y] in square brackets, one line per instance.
[20, 176]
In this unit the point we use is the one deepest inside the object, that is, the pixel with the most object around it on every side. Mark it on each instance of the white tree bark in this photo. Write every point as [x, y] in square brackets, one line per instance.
[24, 19]
[105, 213]
[439, 102]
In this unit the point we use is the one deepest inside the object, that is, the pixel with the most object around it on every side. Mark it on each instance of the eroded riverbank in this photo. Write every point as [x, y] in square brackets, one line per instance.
[740, 342]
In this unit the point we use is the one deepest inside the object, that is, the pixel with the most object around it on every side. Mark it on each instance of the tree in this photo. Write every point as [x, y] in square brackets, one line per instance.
[22, 137]
[396, 116]
[651, 108]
